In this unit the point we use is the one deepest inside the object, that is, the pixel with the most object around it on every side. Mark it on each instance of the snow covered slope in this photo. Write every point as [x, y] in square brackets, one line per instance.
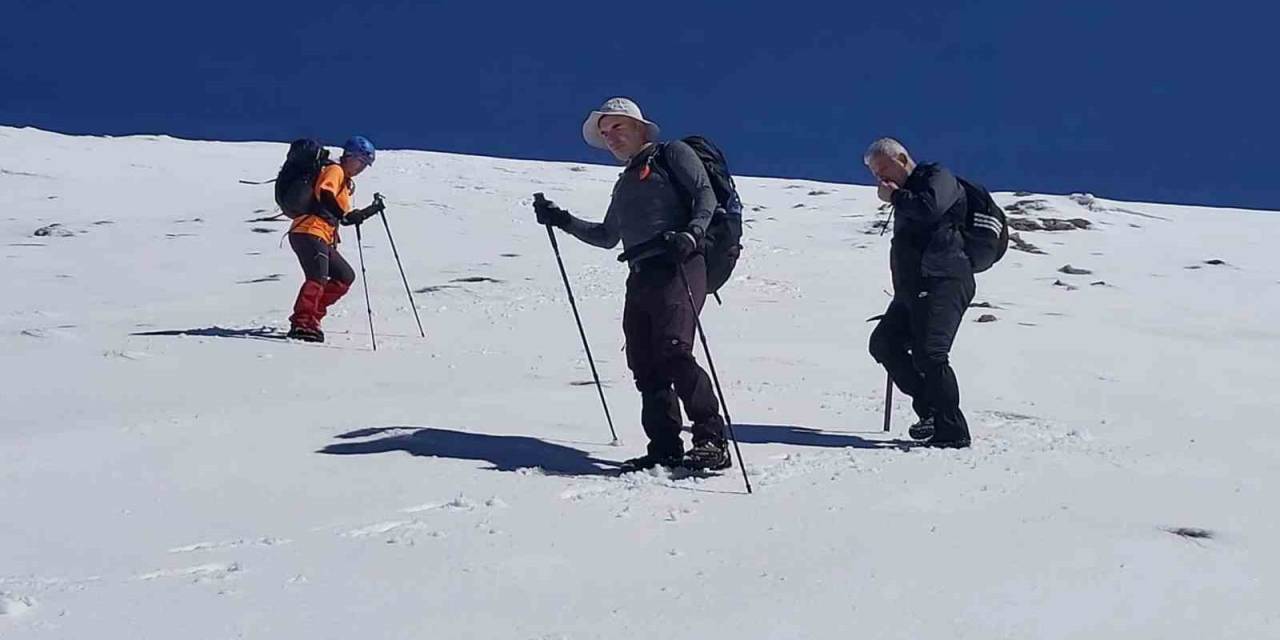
[202, 483]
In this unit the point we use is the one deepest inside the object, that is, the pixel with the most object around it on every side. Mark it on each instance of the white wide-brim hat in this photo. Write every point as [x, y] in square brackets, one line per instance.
[615, 107]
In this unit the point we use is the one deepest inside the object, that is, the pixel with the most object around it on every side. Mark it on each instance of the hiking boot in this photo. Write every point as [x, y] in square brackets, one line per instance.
[921, 430]
[304, 334]
[710, 455]
[948, 441]
[651, 460]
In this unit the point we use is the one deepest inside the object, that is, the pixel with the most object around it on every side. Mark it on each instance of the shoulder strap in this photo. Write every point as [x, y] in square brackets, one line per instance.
[962, 220]
[350, 183]
[660, 161]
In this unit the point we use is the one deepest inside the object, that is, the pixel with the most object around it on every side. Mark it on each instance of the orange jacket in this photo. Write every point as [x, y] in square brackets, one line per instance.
[334, 180]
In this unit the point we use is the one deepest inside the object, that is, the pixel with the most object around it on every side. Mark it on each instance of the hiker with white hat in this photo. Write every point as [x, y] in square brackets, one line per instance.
[659, 231]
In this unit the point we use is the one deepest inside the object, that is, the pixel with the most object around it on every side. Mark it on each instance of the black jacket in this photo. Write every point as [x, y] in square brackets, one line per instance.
[929, 211]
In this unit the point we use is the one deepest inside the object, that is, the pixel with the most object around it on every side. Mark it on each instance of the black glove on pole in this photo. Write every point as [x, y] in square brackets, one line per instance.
[548, 213]
[680, 244]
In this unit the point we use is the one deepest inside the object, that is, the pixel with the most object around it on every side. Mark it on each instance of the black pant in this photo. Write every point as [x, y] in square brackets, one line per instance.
[913, 342]
[659, 324]
[320, 261]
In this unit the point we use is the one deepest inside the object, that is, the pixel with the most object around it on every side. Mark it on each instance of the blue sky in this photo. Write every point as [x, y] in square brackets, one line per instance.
[1145, 101]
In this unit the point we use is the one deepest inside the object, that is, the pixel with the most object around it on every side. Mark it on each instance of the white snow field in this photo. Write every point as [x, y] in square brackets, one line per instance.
[201, 482]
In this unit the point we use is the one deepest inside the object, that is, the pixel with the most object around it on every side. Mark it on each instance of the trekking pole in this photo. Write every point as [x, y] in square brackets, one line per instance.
[888, 400]
[728, 422]
[377, 197]
[365, 278]
[888, 385]
[887, 221]
[555, 246]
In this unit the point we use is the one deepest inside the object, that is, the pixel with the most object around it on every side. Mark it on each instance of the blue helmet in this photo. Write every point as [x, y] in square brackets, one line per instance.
[360, 147]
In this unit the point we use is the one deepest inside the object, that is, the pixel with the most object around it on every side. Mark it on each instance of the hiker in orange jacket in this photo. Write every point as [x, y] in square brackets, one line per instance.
[314, 238]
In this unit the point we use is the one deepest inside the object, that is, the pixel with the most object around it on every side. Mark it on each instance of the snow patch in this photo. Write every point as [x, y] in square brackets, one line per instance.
[12, 604]
[231, 544]
[461, 503]
[377, 528]
[201, 573]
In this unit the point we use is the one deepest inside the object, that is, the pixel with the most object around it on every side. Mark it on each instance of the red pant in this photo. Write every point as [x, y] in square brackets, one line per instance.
[328, 277]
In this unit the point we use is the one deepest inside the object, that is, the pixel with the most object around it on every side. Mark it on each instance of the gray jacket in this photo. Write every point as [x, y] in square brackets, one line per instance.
[645, 204]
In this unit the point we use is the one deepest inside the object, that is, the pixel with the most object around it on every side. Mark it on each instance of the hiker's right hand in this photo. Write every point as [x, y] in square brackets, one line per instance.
[549, 213]
[885, 190]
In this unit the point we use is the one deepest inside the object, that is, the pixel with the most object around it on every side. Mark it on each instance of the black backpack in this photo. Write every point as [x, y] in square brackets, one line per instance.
[722, 246]
[295, 184]
[985, 229]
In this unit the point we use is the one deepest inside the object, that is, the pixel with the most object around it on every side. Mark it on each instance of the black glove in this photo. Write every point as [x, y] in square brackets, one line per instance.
[549, 213]
[360, 215]
[681, 244]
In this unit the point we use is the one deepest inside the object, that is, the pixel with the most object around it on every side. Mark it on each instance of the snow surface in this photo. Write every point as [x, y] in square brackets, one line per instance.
[218, 485]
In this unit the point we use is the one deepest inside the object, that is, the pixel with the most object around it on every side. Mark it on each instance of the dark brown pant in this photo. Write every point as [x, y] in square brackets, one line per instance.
[659, 323]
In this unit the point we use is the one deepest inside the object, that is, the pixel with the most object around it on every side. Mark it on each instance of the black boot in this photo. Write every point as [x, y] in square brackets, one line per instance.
[651, 460]
[922, 429]
[304, 334]
[951, 430]
[709, 455]
[958, 440]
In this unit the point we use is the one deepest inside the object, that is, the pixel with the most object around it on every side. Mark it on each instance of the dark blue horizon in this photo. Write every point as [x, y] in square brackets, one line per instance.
[1148, 102]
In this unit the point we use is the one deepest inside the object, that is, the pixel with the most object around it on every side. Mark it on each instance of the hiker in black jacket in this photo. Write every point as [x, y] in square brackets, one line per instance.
[933, 286]
[658, 231]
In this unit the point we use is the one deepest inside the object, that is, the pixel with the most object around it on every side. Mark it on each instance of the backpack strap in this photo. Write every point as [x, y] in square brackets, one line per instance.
[659, 161]
[967, 192]
[349, 184]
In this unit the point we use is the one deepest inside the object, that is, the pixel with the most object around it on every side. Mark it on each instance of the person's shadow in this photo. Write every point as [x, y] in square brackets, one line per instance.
[511, 453]
[810, 437]
[217, 332]
[503, 453]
